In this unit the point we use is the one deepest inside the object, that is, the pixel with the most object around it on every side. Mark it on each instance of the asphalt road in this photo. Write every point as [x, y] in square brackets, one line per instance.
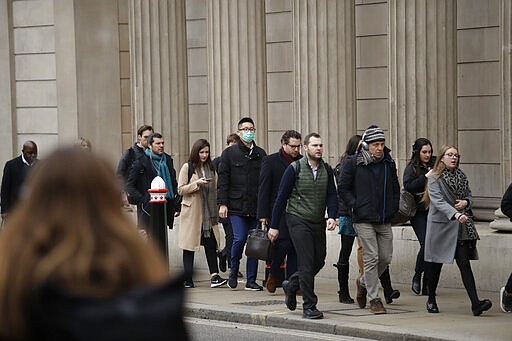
[204, 330]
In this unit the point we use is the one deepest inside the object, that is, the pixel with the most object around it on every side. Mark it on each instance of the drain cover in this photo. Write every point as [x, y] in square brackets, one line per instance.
[258, 303]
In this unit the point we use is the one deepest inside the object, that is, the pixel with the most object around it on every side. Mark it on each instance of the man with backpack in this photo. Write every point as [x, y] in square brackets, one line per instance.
[133, 153]
[306, 189]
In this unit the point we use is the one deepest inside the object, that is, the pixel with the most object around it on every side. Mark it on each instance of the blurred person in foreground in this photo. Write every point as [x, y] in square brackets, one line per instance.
[73, 267]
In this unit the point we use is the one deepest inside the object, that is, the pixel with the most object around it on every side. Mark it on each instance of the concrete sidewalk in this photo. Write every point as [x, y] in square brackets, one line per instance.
[407, 318]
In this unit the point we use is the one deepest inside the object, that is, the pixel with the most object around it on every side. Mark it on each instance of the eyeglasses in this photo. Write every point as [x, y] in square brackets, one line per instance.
[247, 129]
[297, 146]
[145, 137]
[450, 155]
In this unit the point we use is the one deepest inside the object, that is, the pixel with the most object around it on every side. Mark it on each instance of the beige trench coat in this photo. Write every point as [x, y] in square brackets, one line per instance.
[189, 237]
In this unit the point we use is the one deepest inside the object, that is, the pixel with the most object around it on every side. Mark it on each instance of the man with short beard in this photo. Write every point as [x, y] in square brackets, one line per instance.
[272, 170]
[153, 162]
[306, 189]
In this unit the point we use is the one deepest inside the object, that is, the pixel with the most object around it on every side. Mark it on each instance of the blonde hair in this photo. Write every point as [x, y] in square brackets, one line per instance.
[84, 143]
[70, 230]
[437, 170]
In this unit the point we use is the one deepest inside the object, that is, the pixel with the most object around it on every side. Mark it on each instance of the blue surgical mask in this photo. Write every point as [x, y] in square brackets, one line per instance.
[248, 136]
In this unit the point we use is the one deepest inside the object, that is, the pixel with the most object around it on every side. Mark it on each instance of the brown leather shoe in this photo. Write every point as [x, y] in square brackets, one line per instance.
[271, 284]
[360, 294]
[377, 307]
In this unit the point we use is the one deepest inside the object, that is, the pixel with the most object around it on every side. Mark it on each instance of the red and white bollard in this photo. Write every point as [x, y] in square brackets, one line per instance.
[158, 220]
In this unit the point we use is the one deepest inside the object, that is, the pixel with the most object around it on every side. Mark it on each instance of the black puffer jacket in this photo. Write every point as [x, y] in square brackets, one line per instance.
[238, 182]
[372, 199]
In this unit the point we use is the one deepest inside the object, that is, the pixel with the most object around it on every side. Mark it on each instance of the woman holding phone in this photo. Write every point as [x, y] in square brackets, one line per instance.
[197, 184]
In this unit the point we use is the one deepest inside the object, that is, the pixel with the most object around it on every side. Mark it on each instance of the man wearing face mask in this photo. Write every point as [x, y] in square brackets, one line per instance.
[369, 186]
[237, 196]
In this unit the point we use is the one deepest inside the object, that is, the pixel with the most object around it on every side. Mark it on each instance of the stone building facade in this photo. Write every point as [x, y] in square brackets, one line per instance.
[100, 68]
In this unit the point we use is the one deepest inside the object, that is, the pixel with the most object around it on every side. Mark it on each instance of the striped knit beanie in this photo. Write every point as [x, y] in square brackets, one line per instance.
[373, 134]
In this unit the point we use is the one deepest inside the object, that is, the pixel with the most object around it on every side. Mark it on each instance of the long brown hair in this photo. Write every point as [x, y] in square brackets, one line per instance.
[194, 154]
[438, 168]
[69, 229]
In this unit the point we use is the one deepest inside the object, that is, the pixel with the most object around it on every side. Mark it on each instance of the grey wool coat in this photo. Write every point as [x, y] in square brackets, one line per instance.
[442, 228]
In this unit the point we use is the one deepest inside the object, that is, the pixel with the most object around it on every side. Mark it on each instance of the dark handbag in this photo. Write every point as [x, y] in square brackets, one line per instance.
[258, 244]
[406, 208]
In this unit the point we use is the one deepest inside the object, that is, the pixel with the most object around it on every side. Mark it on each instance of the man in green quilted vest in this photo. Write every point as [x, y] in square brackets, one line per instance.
[306, 189]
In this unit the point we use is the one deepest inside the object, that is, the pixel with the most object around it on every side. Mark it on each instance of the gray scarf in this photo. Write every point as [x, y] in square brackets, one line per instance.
[209, 202]
[364, 157]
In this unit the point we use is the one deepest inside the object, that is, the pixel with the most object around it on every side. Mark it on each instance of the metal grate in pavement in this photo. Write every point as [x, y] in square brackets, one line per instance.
[364, 312]
[260, 303]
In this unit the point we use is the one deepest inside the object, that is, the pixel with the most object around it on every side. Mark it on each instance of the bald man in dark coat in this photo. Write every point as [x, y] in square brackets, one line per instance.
[15, 173]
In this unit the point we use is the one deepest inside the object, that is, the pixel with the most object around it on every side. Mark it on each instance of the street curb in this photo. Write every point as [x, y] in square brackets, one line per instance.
[295, 322]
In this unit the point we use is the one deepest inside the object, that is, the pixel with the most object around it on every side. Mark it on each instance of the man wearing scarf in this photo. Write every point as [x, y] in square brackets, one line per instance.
[369, 186]
[272, 170]
[154, 162]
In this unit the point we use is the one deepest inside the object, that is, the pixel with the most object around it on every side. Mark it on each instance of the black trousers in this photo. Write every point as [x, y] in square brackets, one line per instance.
[309, 240]
[228, 232]
[419, 225]
[462, 257]
[210, 249]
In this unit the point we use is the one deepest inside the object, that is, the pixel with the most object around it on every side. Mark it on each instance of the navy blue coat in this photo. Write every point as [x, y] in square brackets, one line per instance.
[272, 170]
[373, 200]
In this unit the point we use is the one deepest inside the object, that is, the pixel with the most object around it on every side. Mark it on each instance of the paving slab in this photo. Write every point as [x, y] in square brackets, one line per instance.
[407, 318]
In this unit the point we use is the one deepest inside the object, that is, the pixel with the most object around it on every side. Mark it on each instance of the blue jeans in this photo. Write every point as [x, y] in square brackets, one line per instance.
[241, 226]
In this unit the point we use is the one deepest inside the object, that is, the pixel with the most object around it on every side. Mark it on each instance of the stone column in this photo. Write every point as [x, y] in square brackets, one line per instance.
[10, 147]
[236, 68]
[422, 74]
[66, 66]
[158, 63]
[506, 91]
[502, 222]
[324, 47]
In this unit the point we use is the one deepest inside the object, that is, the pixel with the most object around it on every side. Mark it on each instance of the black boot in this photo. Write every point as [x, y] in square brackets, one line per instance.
[343, 293]
[416, 283]
[424, 289]
[389, 292]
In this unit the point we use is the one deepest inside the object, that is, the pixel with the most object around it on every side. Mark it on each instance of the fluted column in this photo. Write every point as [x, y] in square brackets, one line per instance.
[236, 67]
[324, 47]
[158, 63]
[10, 147]
[422, 74]
[506, 91]
[502, 222]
